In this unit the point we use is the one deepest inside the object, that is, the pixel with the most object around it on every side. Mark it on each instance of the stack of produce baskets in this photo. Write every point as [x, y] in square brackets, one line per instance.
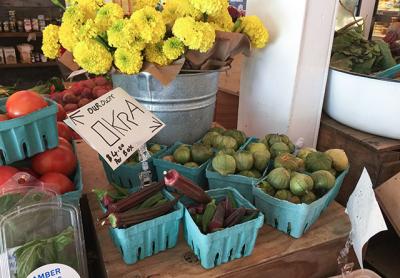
[295, 187]
[258, 178]
[29, 143]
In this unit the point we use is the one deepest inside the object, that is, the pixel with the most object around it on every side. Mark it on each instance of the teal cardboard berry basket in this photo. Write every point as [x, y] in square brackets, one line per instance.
[150, 237]
[228, 244]
[26, 136]
[127, 175]
[241, 183]
[197, 175]
[294, 219]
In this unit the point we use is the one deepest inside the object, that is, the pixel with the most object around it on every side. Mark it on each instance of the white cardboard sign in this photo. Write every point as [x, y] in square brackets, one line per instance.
[365, 215]
[115, 125]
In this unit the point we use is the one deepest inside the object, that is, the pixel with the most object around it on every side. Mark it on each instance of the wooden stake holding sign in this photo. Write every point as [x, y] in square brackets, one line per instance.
[115, 125]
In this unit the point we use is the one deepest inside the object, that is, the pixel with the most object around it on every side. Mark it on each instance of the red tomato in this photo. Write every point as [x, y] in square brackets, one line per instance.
[64, 131]
[60, 160]
[23, 103]
[58, 182]
[62, 142]
[61, 115]
[4, 117]
[6, 172]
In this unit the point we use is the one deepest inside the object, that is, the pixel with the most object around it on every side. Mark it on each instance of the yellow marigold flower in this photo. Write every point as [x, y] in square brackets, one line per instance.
[88, 7]
[154, 54]
[124, 34]
[140, 4]
[195, 35]
[173, 48]
[184, 29]
[133, 34]
[208, 36]
[210, 7]
[128, 61]
[68, 36]
[72, 20]
[88, 31]
[174, 9]
[92, 56]
[51, 46]
[107, 15]
[114, 33]
[151, 24]
[73, 15]
[222, 22]
[253, 27]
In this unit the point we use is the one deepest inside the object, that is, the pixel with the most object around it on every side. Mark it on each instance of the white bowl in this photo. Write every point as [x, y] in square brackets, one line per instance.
[364, 102]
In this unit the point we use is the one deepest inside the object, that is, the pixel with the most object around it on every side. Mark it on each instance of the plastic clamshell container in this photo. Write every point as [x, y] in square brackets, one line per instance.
[197, 175]
[26, 136]
[294, 219]
[241, 183]
[150, 237]
[228, 244]
[127, 175]
[42, 221]
[16, 196]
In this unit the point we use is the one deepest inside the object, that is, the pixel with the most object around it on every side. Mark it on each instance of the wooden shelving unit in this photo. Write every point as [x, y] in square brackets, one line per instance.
[33, 65]
[19, 34]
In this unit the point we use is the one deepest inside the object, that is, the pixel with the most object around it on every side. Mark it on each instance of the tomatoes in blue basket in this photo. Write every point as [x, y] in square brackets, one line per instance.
[60, 160]
[7, 172]
[57, 182]
[23, 103]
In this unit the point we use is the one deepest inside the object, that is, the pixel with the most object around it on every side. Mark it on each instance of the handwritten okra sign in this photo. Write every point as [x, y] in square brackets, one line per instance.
[115, 125]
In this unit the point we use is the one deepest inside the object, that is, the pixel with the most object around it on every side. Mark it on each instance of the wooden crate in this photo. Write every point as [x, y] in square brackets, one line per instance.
[381, 156]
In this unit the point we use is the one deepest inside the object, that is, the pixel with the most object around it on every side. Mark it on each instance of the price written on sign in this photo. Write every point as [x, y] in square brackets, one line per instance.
[115, 125]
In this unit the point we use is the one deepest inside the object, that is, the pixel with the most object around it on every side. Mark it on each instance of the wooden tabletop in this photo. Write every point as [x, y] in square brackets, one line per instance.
[275, 254]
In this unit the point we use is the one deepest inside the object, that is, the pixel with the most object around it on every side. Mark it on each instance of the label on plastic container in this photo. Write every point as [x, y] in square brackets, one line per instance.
[9, 257]
[54, 271]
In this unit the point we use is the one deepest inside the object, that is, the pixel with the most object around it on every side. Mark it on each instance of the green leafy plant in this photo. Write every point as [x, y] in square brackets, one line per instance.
[352, 52]
[40, 252]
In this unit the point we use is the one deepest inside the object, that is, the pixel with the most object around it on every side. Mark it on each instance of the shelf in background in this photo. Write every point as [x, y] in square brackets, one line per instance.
[33, 65]
[18, 34]
[394, 13]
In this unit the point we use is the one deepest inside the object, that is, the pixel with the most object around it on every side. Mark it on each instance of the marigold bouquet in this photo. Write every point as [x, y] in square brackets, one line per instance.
[100, 37]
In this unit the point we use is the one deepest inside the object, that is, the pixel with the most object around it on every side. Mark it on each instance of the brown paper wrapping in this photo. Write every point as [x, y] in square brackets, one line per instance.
[226, 46]
[165, 74]
[219, 58]
[68, 60]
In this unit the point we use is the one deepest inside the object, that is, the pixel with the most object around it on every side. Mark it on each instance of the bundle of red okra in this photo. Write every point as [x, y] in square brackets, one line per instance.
[150, 202]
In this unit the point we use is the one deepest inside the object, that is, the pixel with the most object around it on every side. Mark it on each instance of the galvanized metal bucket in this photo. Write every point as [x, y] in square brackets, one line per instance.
[186, 105]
